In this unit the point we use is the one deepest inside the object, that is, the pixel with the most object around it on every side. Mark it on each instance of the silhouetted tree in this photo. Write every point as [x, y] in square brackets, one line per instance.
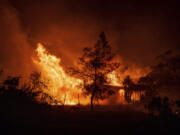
[14, 99]
[166, 112]
[154, 106]
[166, 73]
[94, 65]
[36, 87]
[149, 86]
[160, 107]
[11, 82]
[128, 87]
[164, 77]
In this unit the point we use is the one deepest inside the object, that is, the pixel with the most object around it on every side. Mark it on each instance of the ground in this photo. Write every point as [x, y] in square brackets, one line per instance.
[120, 119]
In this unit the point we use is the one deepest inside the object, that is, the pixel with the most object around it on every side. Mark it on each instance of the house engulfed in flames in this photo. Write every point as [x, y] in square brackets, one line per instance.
[122, 96]
[67, 89]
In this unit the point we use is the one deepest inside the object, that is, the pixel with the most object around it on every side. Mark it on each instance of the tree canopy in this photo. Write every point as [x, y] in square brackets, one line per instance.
[93, 67]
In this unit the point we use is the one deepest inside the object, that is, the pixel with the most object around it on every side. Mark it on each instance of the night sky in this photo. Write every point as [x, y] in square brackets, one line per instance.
[137, 30]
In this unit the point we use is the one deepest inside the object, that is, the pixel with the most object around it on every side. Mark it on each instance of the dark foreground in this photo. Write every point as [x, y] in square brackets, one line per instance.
[73, 120]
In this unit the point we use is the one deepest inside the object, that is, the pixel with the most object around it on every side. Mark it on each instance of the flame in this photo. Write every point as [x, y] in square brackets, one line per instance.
[114, 79]
[61, 86]
[136, 95]
[67, 89]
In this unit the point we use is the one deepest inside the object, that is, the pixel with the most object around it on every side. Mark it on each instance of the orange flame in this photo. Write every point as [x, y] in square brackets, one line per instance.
[61, 86]
[64, 88]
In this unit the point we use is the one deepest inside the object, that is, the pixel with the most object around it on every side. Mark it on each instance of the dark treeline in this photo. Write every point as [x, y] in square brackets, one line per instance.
[161, 85]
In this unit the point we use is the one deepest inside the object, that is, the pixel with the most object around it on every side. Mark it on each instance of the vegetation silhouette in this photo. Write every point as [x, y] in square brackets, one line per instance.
[128, 87]
[164, 77]
[162, 87]
[14, 96]
[25, 107]
[93, 67]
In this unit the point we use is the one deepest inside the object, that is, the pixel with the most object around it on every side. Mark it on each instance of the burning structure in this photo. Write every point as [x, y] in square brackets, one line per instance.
[69, 90]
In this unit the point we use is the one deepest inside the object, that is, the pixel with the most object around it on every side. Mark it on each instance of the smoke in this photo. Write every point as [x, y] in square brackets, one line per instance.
[137, 32]
[15, 51]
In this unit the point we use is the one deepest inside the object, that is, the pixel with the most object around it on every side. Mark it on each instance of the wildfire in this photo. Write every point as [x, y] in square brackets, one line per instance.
[67, 89]
[63, 87]
[114, 79]
[136, 95]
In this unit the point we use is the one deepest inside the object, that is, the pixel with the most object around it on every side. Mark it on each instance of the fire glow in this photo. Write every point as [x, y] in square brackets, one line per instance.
[63, 87]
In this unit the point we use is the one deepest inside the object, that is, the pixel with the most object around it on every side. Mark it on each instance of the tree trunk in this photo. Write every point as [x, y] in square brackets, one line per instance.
[95, 85]
[92, 99]
[78, 100]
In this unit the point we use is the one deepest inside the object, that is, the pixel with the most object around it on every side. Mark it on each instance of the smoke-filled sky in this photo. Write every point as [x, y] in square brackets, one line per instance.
[137, 30]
